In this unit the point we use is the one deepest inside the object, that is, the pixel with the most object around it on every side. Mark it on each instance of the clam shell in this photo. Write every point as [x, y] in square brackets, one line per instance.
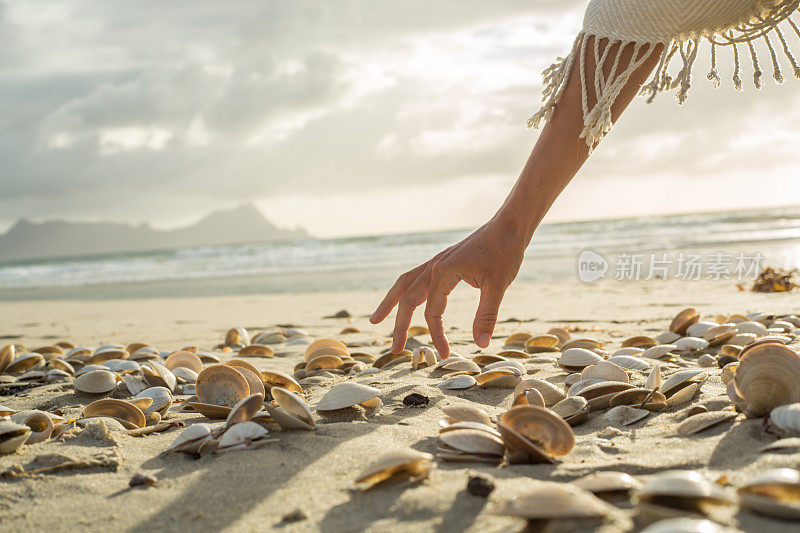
[774, 493]
[423, 356]
[405, 463]
[108, 353]
[667, 337]
[157, 375]
[120, 366]
[348, 394]
[791, 445]
[257, 350]
[184, 359]
[237, 336]
[245, 409]
[657, 352]
[637, 397]
[608, 482]
[510, 352]
[445, 426]
[681, 379]
[572, 409]
[551, 393]
[461, 365]
[40, 423]
[683, 320]
[554, 502]
[162, 399]
[699, 328]
[542, 427]
[500, 378]
[529, 397]
[605, 370]
[517, 339]
[690, 344]
[190, 439]
[324, 362]
[274, 337]
[134, 384]
[577, 359]
[242, 433]
[706, 361]
[515, 366]
[222, 385]
[629, 362]
[679, 493]
[472, 441]
[458, 382]
[700, 422]
[742, 339]
[756, 328]
[117, 409]
[185, 375]
[625, 415]
[276, 378]
[640, 341]
[214, 412]
[60, 364]
[466, 413]
[768, 376]
[25, 362]
[324, 343]
[12, 436]
[684, 395]
[785, 420]
[96, 382]
[581, 342]
[562, 334]
[7, 353]
[687, 525]
[293, 405]
[486, 359]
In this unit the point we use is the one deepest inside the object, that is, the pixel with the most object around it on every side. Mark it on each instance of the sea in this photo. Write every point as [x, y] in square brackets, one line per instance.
[726, 245]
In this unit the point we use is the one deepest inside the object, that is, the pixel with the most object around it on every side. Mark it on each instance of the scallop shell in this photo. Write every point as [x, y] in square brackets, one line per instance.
[12, 436]
[221, 385]
[397, 464]
[554, 502]
[541, 431]
[459, 382]
[551, 393]
[785, 420]
[184, 359]
[96, 382]
[768, 375]
[347, 394]
[700, 422]
[774, 493]
[124, 412]
[466, 413]
[683, 320]
[162, 399]
[605, 370]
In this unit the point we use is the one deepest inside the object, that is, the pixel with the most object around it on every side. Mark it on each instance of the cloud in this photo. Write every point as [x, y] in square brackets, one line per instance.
[159, 112]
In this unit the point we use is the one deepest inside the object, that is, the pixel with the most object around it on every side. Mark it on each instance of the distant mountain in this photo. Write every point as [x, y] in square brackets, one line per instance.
[36, 240]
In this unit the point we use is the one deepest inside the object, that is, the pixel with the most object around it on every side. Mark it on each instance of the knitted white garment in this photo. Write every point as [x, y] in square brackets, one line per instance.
[681, 26]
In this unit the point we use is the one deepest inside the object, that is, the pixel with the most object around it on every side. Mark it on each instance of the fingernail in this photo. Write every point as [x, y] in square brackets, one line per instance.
[484, 339]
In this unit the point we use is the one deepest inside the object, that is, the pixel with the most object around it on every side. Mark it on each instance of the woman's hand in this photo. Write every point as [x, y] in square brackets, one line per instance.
[488, 259]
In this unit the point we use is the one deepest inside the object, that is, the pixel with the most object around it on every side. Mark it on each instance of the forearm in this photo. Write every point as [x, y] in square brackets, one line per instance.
[560, 151]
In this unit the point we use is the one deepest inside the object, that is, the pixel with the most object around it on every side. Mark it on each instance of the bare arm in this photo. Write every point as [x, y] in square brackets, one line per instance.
[490, 258]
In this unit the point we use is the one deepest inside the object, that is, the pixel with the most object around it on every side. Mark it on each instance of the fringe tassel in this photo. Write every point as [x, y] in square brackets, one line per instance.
[597, 120]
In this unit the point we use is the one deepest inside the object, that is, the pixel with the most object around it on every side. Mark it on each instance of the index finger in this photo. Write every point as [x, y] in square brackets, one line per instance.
[392, 297]
[441, 287]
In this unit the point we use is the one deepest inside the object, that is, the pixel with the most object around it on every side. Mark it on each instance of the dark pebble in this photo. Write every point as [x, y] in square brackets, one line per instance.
[479, 486]
[415, 400]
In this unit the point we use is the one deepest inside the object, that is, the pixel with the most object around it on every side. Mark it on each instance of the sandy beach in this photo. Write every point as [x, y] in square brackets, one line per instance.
[305, 480]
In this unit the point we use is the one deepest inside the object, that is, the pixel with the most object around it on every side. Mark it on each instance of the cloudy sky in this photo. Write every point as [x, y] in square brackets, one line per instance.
[344, 116]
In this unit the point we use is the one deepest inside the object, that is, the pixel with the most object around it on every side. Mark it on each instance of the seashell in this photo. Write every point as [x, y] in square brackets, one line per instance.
[185, 375]
[459, 382]
[157, 375]
[515, 366]
[207, 358]
[25, 362]
[144, 354]
[466, 413]
[184, 359]
[529, 397]
[221, 385]
[6, 411]
[678, 493]
[126, 413]
[445, 426]
[324, 343]
[134, 384]
[510, 352]
[719, 334]
[12, 436]
[276, 337]
[562, 334]
[486, 359]
[768, 375]
[660, 351]
[292, 411]
[324, 362]
[7, 353]
[639, 397]
[599, 394]
[629, 362]
[683, 320]
[653, 381]
[499, 378]
[471, 443]
[690, 344]
[60, 364]
[728, 372]
[236, 337]
[781, 325]
[687, 525]
[388, 357]
[120, 366]
[756, 328]
[605, 370]
[462, 365]
[191, 438]
[107, 354]
[629, 351]
[581, 342]
[700, 422]
[347, 394]
[257, 350]
[606, 484]
[667, 337]
[96, 382]
[214, 412]
[784, 420]
[276, 378]
[699, 328]
[423, 356]
[89, 368]
[684, 395]
[241, 434]
[517, 339]
[162, 399]
[551, 393]
[742, 339]
[573, 409]
[706, 361]
[536, 431]
[640, 341]
[254, 383]
[783, 339]
[578, 386]
[624, 415]
[397, 464]
[576, 359]
[554, 502]
[681, 379]
[245, 410]
[542, 343]
[791, 445]
[41, 426]
[773, 493]
[398, 359]
[571, 379]
[363, 357]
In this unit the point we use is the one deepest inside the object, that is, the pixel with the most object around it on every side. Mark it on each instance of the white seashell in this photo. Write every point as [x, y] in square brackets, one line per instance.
[687, 525]
[472, 441]
[624, 414]
[657, 352]
[518, 367]
[239, 434]
[667, 337]
[348, 394]
[582, 384]
[690, 344]
[679, 378]
[756, 328]
[785, 420]
[161, 396]
[571, 379]
[548, 502]
[550, 392]
[405, 463]
[791, 445]
[698, 329]
[186, 375]
[134, 384]
[458, 382]
[96, 382]
[605, 370]
[466, 413]
[294, 407]
[774, 493]
[630, 362]
[707, 361]
[700, 422]
[578, 359]
[12, 436]
[630, 351]
[191, 438]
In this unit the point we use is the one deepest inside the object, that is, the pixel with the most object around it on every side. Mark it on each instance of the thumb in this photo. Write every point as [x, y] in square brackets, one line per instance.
[486, 316]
